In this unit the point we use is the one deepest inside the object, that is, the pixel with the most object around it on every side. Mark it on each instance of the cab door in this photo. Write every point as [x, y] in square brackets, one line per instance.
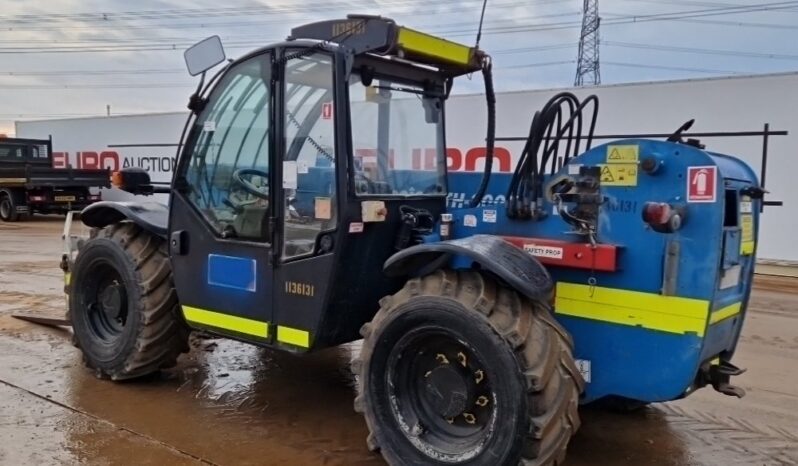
[308, 195]
[221, 211]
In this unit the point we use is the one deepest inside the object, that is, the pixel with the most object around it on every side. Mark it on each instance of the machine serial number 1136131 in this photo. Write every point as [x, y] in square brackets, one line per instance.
[301, 289]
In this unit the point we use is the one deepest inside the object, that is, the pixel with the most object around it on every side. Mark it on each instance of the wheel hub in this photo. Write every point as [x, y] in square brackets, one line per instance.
[449, 390]
[112, 301]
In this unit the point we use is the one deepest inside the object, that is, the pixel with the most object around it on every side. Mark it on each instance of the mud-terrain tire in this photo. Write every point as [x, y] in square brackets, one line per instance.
[123, 306]
[8, 210]
[533, 385]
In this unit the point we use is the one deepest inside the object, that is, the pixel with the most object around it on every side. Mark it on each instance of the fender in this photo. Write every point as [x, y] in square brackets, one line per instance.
[150, 216]
[515, 267]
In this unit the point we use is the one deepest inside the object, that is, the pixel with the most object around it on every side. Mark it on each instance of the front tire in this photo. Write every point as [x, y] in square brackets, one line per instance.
[458, 369]
[123, 306]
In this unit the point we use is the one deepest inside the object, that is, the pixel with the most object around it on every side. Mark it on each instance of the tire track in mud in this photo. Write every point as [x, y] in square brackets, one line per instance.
[112, 425]
[18, 301]
[766, 445]
[34, 267]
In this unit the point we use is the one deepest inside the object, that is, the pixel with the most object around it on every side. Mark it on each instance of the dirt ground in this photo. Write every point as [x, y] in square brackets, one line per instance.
[228, 403]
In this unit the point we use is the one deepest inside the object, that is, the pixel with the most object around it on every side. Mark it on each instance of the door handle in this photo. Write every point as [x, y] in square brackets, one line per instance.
[178, 243]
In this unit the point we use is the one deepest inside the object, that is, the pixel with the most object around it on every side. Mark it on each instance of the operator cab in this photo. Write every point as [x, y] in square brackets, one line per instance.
[300, 157]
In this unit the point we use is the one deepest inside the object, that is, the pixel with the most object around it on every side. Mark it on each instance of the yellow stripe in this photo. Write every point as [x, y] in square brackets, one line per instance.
[434, 47]
[293, 336]
[671, 314]
[226, 321]
[13, 180]
[724, 313]
[67, 278]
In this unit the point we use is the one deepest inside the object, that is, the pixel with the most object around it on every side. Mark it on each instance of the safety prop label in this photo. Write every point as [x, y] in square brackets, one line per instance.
[701, 183]
[623, 153]
[619, 174]
[544, 251]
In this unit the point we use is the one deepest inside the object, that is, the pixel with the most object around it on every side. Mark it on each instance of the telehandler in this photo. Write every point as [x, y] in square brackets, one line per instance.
[300, 218]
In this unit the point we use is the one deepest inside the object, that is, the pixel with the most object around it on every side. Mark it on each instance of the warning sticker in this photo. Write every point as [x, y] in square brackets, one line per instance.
[489, 216]
[746, 206]
[701, 183]
[327, 110]
[584, 368]
[619, 174]
[747, 224]
[623, 154]
[548, 252]
[470, 220]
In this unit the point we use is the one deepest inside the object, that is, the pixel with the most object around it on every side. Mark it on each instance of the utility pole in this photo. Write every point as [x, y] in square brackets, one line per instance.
[587, 65]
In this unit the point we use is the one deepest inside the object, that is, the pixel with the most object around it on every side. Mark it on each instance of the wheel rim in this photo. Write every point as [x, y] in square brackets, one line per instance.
[5, 208]
[441, 395]
[106, 301]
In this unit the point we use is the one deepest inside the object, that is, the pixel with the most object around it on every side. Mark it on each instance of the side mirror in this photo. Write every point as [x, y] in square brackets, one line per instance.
[204, 55]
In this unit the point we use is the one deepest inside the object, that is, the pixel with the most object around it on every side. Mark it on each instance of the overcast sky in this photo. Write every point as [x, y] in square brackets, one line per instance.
[73, 57]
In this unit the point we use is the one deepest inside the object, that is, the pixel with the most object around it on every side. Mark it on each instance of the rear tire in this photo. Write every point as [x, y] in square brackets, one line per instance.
[8, 210]
[123, 305]
[450, 333]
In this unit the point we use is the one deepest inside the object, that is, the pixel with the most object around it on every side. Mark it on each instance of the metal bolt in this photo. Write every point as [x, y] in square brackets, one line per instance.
[482, 401]
[442, 358]
[462, 358]
[469, 418]
[479, 375]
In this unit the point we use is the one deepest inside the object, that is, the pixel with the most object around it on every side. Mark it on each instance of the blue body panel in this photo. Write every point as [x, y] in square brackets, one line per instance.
[633, 361]
[238, 273]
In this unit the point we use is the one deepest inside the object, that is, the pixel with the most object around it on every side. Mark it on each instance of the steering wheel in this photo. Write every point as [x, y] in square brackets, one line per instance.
[677, 135]
[247, 186]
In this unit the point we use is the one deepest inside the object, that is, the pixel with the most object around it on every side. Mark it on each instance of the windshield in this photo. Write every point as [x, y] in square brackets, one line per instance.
[397, 136]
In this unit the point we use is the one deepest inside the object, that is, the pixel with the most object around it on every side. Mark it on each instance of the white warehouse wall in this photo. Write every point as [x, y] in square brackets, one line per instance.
[728, 104]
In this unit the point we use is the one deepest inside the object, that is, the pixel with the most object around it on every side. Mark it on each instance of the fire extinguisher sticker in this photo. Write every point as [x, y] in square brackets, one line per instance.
[702, 184]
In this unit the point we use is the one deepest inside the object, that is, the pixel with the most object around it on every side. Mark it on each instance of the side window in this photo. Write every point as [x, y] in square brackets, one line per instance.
[228, 173]
[11, 152]
[309, 181]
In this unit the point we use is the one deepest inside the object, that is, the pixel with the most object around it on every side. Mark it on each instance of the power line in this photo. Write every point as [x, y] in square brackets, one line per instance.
[739, 23]
[537, 65]
[670, 68]
[97, 86]
[112, 19]
[732, 53]
[90, 72]
[692, 3]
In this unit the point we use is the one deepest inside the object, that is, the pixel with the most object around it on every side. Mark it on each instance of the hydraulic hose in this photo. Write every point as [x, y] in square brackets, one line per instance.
[490, 140]
[560, 119]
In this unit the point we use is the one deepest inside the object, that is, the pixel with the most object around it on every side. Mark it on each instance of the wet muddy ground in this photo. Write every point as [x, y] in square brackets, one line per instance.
[229, 403]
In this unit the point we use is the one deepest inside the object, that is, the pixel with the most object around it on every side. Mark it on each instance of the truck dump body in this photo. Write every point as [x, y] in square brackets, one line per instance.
[29, 183]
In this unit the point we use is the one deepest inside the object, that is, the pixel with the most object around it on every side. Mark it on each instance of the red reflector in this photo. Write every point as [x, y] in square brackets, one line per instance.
[36, 198]
[656, 213]
[95, 197]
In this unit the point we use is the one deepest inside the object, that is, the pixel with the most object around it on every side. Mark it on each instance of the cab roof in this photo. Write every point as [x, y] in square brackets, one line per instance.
[377, 35]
